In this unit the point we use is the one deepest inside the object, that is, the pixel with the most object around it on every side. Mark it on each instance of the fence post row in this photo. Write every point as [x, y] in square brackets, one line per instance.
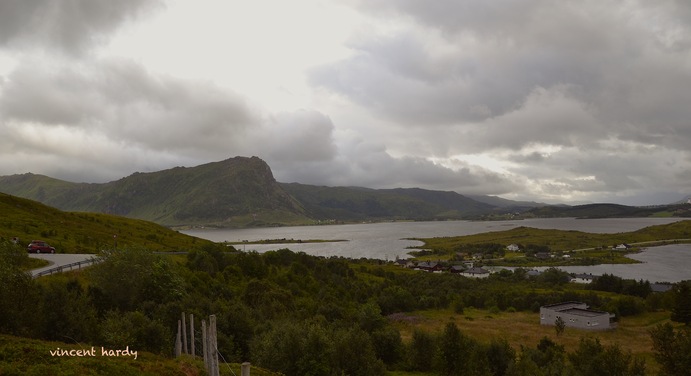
[209, 344]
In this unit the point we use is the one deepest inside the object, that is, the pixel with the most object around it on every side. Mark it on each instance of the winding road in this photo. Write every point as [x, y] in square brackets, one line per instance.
[59, 260]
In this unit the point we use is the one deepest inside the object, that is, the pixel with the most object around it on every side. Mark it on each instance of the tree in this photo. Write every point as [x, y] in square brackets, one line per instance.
[681, 312]
[67, 312]
[294, 348]
[354, 354]
[388, 344]
[591, 358]
[451, 351]
[559, 326]
[422, 347]
[128, 277]
[547, 359]
[136, 330]
[18, 294]
[500, 356]
[672, 348]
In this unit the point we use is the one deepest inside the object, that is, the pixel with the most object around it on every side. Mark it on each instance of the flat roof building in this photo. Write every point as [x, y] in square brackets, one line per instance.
[576, 315]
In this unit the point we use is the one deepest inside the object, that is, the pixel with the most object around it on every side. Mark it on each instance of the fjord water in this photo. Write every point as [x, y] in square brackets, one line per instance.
[386, 241]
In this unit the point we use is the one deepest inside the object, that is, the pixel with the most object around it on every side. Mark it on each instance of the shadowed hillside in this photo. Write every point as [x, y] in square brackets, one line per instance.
[71, 232]
[352, 203]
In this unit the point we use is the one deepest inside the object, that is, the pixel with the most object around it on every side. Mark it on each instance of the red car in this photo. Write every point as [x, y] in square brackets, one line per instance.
[39, 246]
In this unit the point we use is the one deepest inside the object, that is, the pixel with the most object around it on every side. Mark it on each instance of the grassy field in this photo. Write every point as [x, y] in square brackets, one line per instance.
[524, 329]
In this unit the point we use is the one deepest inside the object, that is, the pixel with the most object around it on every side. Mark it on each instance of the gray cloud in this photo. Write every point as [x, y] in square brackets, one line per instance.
[574, 101]
[475, 61]
[127, 104]
[603, 85]
[70, 26]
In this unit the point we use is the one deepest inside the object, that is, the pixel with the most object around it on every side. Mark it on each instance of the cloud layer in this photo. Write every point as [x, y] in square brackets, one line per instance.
[529, 99]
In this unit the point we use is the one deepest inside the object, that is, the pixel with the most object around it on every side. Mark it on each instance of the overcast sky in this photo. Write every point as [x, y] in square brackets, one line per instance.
[553, 101]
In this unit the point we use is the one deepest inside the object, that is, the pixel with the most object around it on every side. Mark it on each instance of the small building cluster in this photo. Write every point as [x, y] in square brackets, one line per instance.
[466, 269]
[576, 315]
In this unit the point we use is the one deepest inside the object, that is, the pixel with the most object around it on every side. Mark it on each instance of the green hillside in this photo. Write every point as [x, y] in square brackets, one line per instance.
[354, 203]
[236, 192]
[72, 232]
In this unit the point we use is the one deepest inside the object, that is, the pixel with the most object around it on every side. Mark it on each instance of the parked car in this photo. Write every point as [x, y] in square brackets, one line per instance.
[39, 246]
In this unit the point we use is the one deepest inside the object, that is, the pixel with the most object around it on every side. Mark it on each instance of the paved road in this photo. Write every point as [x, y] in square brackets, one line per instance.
[58, 259]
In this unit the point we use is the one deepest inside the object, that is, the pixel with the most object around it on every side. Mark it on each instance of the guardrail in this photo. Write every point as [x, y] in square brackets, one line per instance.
[62, 268]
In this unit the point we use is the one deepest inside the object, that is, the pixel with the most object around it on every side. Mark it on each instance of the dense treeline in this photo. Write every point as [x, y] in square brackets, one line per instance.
[303, 315]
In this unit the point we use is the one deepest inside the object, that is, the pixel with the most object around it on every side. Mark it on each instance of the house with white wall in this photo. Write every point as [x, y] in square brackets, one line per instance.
[576, 315]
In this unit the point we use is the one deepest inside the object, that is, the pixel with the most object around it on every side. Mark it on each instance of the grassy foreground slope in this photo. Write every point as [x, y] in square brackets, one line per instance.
[23, 356]
[71, 232]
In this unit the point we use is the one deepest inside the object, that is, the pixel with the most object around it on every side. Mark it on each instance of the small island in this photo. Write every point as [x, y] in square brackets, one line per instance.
[286, 241]
[531, 247]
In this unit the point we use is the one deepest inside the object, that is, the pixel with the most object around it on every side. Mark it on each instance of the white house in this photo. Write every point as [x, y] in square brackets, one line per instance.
[583, 278]
[513, 248]
[475, 273]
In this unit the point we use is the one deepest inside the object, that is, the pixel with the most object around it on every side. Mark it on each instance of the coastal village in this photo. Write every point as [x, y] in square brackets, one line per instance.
[566, 314]
[471, 266]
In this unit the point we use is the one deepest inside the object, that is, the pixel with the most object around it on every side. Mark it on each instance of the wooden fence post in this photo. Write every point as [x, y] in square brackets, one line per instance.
[213, 344]
[192, 336]
[245, 369]
[205, 346]
[184, 335]
[178, 343]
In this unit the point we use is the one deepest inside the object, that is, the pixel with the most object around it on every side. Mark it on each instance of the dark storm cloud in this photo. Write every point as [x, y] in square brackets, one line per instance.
[67, 25]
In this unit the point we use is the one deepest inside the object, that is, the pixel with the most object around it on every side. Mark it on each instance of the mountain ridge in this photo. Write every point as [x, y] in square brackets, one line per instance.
[242, 192]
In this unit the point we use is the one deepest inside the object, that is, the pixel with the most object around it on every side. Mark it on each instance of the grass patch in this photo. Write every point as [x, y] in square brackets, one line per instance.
[34, 263]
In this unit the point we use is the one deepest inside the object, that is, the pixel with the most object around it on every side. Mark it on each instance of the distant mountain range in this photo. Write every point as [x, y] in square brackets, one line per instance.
[241, 192]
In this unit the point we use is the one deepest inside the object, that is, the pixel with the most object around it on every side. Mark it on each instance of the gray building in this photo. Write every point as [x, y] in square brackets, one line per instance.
[576, 315]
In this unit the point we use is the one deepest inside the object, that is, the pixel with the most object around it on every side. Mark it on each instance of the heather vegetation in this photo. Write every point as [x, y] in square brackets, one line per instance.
[76, 232]
[304, 315]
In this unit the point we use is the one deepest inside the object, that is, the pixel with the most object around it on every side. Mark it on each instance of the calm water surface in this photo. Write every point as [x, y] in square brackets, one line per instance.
[386, 241]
